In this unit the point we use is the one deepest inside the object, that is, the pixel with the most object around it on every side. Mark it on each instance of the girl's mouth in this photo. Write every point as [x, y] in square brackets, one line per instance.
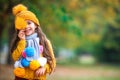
[27, 30]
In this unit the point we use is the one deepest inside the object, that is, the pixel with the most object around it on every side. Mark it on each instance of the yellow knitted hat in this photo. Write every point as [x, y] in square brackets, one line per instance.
[21, 13]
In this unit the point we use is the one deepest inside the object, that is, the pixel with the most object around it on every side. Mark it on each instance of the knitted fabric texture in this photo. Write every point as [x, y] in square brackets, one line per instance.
[21, 14]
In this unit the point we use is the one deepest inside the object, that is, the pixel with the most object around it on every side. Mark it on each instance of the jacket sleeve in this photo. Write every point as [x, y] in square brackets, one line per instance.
[17, 52]
[47, 67]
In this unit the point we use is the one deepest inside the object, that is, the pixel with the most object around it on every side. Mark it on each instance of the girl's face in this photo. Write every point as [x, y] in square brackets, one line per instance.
[30, 29]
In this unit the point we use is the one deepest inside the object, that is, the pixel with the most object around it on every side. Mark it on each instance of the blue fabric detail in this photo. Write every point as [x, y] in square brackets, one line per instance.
[29, 51]
[25, 63]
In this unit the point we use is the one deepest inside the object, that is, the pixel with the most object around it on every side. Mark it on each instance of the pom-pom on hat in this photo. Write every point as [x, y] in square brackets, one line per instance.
[21, 13]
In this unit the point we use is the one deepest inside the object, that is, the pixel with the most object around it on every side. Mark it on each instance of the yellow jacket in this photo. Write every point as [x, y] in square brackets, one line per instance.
[29, 74]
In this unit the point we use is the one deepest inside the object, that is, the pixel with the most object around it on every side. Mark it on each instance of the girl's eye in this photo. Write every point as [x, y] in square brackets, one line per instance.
[28, 23]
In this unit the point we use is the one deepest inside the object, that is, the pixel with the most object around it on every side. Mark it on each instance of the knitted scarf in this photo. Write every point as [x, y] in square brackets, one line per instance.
[33, 41]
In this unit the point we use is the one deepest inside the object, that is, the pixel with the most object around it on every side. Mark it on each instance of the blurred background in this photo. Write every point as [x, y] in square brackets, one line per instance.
[85, 35]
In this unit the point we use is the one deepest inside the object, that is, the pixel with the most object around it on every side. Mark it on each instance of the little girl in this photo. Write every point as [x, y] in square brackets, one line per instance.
[31, 50]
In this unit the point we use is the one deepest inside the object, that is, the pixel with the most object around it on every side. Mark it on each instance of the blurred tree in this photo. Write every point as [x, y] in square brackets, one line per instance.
[5, 14]
[6, 23]
[109, 47]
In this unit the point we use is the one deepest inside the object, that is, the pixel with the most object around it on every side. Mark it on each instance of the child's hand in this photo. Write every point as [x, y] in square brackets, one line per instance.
[21, 34]
[40, 71]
